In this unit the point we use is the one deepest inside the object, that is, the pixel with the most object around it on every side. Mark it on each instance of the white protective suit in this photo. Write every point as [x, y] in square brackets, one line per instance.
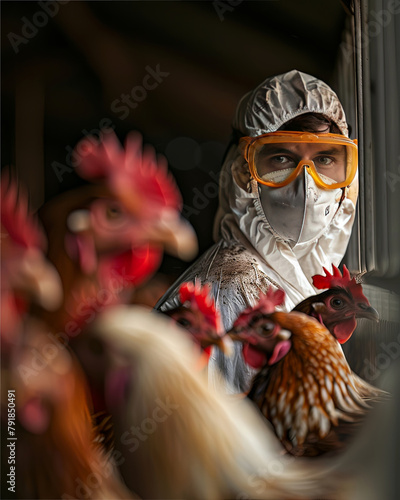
[259, 245]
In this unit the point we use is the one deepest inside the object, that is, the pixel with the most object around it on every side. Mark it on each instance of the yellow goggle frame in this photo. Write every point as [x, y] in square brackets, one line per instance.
[250, 146]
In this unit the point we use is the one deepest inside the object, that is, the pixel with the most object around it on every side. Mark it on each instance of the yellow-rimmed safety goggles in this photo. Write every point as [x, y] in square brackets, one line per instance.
[277, 158]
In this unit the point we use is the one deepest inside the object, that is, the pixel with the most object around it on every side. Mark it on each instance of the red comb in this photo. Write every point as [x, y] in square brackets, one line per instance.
[200, 297]
[337, 280]
[16, 221]
[266, 305]
[132, 170]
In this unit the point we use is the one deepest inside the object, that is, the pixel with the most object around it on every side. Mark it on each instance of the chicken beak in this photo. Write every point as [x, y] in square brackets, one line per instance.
[49, 290]
[234, 335]
[283, 334]
[41, 280]
[319, 307]
[225, 344]
[175, 235]
[368, 313]
[78, 221]
[238, 334]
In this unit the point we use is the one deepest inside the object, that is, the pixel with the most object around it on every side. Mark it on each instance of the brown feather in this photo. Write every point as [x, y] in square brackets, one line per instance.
[311, 397]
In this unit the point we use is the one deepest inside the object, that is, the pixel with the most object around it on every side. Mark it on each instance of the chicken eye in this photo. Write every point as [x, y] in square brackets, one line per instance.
[268, 327]
[337, 303]
[113, 212]
[184, 322]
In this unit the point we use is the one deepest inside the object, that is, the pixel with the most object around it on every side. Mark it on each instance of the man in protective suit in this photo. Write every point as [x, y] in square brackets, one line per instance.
[286, 203]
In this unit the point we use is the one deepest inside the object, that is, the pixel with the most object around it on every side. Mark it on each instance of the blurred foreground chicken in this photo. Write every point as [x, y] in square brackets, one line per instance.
[109, 236]
[58, 454]
[56, 451]
[305, 388]
[339, 307]
[197, 315]
[26, 275]
[176, 438]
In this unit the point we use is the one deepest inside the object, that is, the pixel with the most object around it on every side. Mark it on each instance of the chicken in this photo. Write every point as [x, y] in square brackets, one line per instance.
[55, 437]
[26, 275]
[108, 236]
[199, 315]
[258, 333]
[176, 437]
[58, 453]
[338, 307]
[306, 388]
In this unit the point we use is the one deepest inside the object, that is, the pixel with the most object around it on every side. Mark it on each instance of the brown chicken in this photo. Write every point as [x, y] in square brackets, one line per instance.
[258, 334]
[58, 450]
[109, 236]
[306, 388]
[57, 453]
[339, 307]
[26, 276]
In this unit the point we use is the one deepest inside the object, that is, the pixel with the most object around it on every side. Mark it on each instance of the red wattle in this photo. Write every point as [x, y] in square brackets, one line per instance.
[253, 357]
[133, 266]
[344, 330]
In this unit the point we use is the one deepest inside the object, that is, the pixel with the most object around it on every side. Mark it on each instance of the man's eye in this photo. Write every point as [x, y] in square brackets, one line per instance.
[325, 161]
[280, 159]
[278, 162]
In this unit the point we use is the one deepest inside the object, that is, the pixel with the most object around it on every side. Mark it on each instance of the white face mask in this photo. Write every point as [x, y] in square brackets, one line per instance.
[300, 211]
